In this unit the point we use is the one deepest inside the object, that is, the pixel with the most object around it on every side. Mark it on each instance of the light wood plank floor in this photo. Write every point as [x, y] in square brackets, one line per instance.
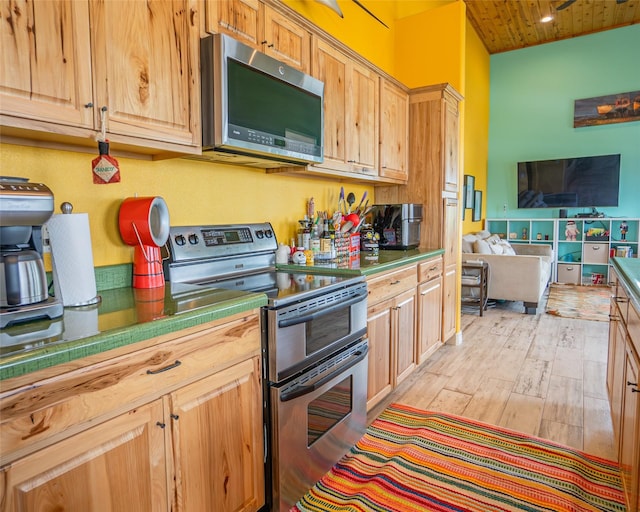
[539, 374]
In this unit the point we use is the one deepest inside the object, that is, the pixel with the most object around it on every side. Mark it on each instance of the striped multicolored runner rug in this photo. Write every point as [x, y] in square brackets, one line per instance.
[414, 460]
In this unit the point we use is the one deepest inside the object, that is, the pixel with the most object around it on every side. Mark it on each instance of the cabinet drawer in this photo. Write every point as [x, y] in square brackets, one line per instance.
[596, 253]
[52, 409]
[569, 273]
[430, 269]
[391, 283]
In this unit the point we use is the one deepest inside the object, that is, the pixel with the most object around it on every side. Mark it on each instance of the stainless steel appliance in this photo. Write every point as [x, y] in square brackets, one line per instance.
[24, 208]
[314, 348]
[256, 110]
[398, 225]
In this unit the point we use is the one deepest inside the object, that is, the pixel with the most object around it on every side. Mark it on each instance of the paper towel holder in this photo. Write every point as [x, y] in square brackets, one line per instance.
[144, 224]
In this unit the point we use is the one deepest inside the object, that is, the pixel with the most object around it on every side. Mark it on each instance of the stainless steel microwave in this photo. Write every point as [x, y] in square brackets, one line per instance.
[256, 110]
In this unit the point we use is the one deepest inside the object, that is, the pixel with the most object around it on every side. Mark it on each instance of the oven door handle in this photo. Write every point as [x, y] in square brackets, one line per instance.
[305, 390]
[313, 316]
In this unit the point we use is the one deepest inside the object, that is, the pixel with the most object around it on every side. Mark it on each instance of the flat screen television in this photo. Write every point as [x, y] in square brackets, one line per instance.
[586, 181]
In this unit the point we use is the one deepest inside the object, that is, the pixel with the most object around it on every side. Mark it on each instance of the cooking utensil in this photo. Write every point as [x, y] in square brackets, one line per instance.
[341, 200]
[364, 196]
[351, 198]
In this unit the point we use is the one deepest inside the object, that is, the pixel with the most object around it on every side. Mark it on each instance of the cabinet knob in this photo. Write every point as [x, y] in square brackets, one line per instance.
[88, 105]
[160, 424]
[632, 383]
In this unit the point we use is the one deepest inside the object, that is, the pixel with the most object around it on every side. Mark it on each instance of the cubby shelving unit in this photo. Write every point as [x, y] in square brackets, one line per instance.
[584, 260]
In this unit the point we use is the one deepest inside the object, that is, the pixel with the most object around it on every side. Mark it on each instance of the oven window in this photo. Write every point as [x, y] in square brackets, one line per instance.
[327, 329]
[328, 409]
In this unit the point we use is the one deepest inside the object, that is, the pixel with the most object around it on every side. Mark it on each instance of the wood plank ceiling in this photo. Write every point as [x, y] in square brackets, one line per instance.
[505, 25]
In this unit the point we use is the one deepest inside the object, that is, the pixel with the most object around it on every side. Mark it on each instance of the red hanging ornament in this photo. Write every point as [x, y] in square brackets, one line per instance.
[105, 167]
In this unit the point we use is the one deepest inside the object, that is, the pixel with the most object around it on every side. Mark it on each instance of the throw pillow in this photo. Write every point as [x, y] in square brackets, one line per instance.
[467, 243]
[507, 249]
[496, 249]
[483, 234]
[481, 247]
[493, 239]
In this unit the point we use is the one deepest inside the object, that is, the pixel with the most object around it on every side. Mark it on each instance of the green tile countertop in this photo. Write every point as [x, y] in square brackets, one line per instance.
[628, 270]
[368, 264]
[124, 316]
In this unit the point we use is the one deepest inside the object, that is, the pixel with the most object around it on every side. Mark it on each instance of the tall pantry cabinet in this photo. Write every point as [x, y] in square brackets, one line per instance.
[434, 135]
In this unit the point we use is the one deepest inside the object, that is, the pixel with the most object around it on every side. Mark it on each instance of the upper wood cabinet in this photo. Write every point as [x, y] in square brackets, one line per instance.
[241, 19]
[46, 73]
[90, 61]
[263, 28]
[394, 131]
[351, 111]
[143, 72]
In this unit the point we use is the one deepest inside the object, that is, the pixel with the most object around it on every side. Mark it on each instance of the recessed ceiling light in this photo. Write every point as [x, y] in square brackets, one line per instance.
[546, 19]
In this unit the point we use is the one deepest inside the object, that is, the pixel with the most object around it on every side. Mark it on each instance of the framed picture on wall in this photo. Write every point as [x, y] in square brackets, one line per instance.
[477, 205]
[613, 108]
[469, 185]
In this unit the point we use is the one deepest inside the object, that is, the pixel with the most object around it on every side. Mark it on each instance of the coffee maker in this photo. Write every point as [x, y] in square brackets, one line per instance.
[24, 295]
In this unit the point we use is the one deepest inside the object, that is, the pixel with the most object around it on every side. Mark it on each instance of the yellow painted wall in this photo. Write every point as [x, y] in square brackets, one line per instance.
[476, 115]
[430, 47]
[195, 192]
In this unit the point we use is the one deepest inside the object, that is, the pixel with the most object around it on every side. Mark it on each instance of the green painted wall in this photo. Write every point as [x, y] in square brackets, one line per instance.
[532, 94]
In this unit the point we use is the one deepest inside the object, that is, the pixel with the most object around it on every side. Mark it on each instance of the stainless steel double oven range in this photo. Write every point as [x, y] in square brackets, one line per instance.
[313, 343]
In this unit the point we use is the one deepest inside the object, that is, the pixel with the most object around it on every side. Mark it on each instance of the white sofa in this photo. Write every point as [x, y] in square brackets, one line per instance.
[518, 272]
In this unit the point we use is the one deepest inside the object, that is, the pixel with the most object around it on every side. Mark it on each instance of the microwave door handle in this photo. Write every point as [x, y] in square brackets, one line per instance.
[313, 316]
[305, 390]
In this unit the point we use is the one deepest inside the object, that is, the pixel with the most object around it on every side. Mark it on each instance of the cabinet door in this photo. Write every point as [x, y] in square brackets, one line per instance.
[404, 333]
[45, 63]
[451, 142]
[218, 441]
[451, 232]
[362, 119]
[241, 19]
[330, 66]
[119, 465]
[144, 74]
[286, 41]
[380, 379]
[394, 131]
[630, 430]
[429, 318]
[449, 303]
[616, 366]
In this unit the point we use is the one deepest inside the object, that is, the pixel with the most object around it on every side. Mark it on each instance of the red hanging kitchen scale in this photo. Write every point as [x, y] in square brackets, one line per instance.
[144, 224]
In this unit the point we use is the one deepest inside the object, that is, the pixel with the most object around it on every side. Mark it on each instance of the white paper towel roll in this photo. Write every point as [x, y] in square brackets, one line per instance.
[72, 258]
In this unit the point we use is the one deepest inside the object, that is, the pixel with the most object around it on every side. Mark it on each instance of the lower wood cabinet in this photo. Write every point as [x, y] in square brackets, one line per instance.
[623, 382]
[176, 426]
[218, 441]
[391, 327]
[429, 336]
[116, 466]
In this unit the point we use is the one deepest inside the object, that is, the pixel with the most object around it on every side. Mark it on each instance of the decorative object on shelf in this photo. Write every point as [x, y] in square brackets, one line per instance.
[477, 205]
[571, 230]
[614, 108]
[624, 227]
[469, 186]
[524, 234]
[539, 236]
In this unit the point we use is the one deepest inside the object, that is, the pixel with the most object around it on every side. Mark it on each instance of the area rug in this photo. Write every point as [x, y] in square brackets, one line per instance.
[411, 460]
[583, 302]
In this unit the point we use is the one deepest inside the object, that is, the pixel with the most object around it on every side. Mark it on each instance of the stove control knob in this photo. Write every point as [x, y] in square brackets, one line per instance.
[180, 240]
[193, 239]
[268, 233]
[260, 233]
